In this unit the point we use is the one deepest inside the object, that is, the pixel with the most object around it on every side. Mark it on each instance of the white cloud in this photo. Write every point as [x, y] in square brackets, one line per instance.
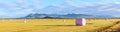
[117, 10]
[117, 2]
[81, 12]
[36, 4]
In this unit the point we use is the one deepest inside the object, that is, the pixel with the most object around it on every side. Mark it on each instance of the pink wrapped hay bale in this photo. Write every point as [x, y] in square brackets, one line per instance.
[80, 22]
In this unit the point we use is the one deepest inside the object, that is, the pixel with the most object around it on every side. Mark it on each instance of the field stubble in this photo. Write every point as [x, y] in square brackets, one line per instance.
[52, 25]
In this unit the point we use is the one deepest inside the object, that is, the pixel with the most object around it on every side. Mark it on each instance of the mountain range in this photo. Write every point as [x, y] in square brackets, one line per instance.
[69, 11]
[64, 16]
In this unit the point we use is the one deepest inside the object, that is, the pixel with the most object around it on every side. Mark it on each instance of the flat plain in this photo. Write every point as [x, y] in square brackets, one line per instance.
[53, 25]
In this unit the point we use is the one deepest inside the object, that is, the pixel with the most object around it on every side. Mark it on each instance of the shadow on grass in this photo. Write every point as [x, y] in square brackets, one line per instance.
[118, 30]
[55, 25]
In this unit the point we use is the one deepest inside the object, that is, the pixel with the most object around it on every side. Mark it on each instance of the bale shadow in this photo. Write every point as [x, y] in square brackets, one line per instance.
[118, 30]
[55, 25]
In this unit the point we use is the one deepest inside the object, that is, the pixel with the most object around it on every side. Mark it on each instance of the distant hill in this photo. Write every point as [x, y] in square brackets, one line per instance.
[64, 16]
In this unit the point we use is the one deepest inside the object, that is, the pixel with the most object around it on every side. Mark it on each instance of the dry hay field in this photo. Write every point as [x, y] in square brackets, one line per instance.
[54, 25]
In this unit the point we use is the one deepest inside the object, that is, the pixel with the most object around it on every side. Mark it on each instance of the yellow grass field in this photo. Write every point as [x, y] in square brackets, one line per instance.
[52, 25]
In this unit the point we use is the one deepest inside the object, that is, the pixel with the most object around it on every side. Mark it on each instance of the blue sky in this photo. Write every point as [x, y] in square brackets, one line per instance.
[20, 8]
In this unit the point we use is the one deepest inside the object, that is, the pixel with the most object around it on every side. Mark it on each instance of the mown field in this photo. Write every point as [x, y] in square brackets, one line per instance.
[53, 25]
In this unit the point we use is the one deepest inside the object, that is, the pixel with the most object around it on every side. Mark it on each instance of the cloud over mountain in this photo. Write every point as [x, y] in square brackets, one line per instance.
[21, 8]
